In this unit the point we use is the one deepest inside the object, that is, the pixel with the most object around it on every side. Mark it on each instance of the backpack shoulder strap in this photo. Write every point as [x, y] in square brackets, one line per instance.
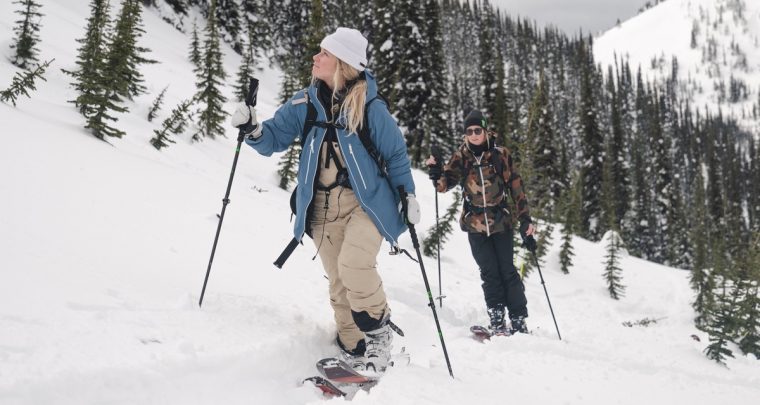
[311, 117]
[364, 137]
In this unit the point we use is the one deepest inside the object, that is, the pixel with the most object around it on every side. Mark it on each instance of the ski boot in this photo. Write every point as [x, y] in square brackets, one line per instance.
[518, 325]
[497, 326]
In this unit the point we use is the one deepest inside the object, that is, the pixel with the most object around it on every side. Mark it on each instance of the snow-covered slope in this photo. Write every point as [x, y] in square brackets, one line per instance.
[714, 41]
[103, 250]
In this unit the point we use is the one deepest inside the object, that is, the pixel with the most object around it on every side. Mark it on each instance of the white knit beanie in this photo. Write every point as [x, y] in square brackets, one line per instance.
[348, 45]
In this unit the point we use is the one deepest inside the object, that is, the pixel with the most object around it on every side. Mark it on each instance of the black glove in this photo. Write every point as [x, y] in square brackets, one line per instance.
[529, 242]
[435, 171]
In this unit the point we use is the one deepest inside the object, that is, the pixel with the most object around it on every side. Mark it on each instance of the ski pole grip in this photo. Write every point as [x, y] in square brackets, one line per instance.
[253, 91]
[437, 154]
[404, 207]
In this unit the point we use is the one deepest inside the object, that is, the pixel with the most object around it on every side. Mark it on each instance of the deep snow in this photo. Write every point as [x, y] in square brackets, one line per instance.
[104, 248]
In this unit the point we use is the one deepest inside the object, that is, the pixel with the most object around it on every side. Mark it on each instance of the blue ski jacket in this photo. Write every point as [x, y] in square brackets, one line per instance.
[377, 195]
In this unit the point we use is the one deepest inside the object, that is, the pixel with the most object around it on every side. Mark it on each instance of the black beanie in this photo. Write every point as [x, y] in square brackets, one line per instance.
[475, 117]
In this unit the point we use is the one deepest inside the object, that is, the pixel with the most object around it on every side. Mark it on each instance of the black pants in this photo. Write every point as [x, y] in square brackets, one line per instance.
[501, 282]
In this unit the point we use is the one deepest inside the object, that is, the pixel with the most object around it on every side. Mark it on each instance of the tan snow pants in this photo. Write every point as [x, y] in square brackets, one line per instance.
[348, 244]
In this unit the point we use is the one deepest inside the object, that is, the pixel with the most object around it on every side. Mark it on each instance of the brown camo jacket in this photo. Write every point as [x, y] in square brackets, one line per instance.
[485, 187]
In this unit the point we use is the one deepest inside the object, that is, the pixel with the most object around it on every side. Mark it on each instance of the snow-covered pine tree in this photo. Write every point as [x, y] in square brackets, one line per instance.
[617, 152]
[700, 279]
[258, 20]
[592, 142]
[613, 242]
[662, 179]
[719, 318]
[247, 65]
[500, 116]
[174, 124]
[748, 337]
[612, 269]
[23, 82]
[312, 36]
[211, 77]
[195, 49]
[570, 203]
[27, 33]
[754, 187]
[487, 58]
[229, 18]
[156, 105]
[410, 89]
[385, 58]
[435, 125]
[541, 155]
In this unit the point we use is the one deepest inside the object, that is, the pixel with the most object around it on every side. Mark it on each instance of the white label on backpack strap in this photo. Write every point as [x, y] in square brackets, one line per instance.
[301, 100]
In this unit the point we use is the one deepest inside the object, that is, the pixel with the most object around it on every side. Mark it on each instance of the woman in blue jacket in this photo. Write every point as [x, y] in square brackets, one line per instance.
[344, 200]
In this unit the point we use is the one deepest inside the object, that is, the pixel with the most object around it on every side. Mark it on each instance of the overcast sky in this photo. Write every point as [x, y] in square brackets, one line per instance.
[572, 15]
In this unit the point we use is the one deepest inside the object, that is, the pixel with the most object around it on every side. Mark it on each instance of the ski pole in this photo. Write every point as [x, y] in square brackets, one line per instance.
[431, 304]
[436, 152]
[250, 100]
[535, 259]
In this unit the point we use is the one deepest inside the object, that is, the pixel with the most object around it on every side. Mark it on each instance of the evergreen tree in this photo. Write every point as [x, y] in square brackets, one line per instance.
[720, 322]
[411, 94]
[208, 82]
[124, 56]
[314, 36]
[435, 118]
[591, 141]
[195, 49]
[662, 184]
[27, 33]
[175, 124]
[542, 156]
[570, 207]
[700, 280]
[386, 45]
[612, 239]
[488, 58]
[156, 106]
[245, 71]
[612, 268]
[97, 97]
[229, 19]
[91, 57]
[23, 82]
[289, 165]
[749, 306]
[616, 155]
[441, 232]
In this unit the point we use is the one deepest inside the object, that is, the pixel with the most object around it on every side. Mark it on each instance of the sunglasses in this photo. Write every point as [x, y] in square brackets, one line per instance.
[473, 131]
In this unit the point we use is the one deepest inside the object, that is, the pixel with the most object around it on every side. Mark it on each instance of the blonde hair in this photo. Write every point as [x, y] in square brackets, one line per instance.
[353, 103]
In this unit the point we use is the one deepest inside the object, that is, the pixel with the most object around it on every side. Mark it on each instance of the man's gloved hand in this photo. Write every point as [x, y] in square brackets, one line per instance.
[244, 118]
[526, 232]
[412, 208]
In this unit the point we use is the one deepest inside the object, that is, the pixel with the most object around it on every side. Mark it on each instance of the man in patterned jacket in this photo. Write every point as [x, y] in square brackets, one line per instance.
[485, 173]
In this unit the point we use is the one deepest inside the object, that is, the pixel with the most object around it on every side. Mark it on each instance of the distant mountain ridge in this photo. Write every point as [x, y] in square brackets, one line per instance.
[712, 47]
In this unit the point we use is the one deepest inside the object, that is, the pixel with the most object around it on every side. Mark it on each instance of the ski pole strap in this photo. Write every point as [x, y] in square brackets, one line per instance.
[396, 328]
[286, 253]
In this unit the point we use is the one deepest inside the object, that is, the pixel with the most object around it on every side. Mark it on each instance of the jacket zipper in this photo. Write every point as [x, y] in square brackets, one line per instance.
[483, 190]
[361, 176]
[308, 166]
